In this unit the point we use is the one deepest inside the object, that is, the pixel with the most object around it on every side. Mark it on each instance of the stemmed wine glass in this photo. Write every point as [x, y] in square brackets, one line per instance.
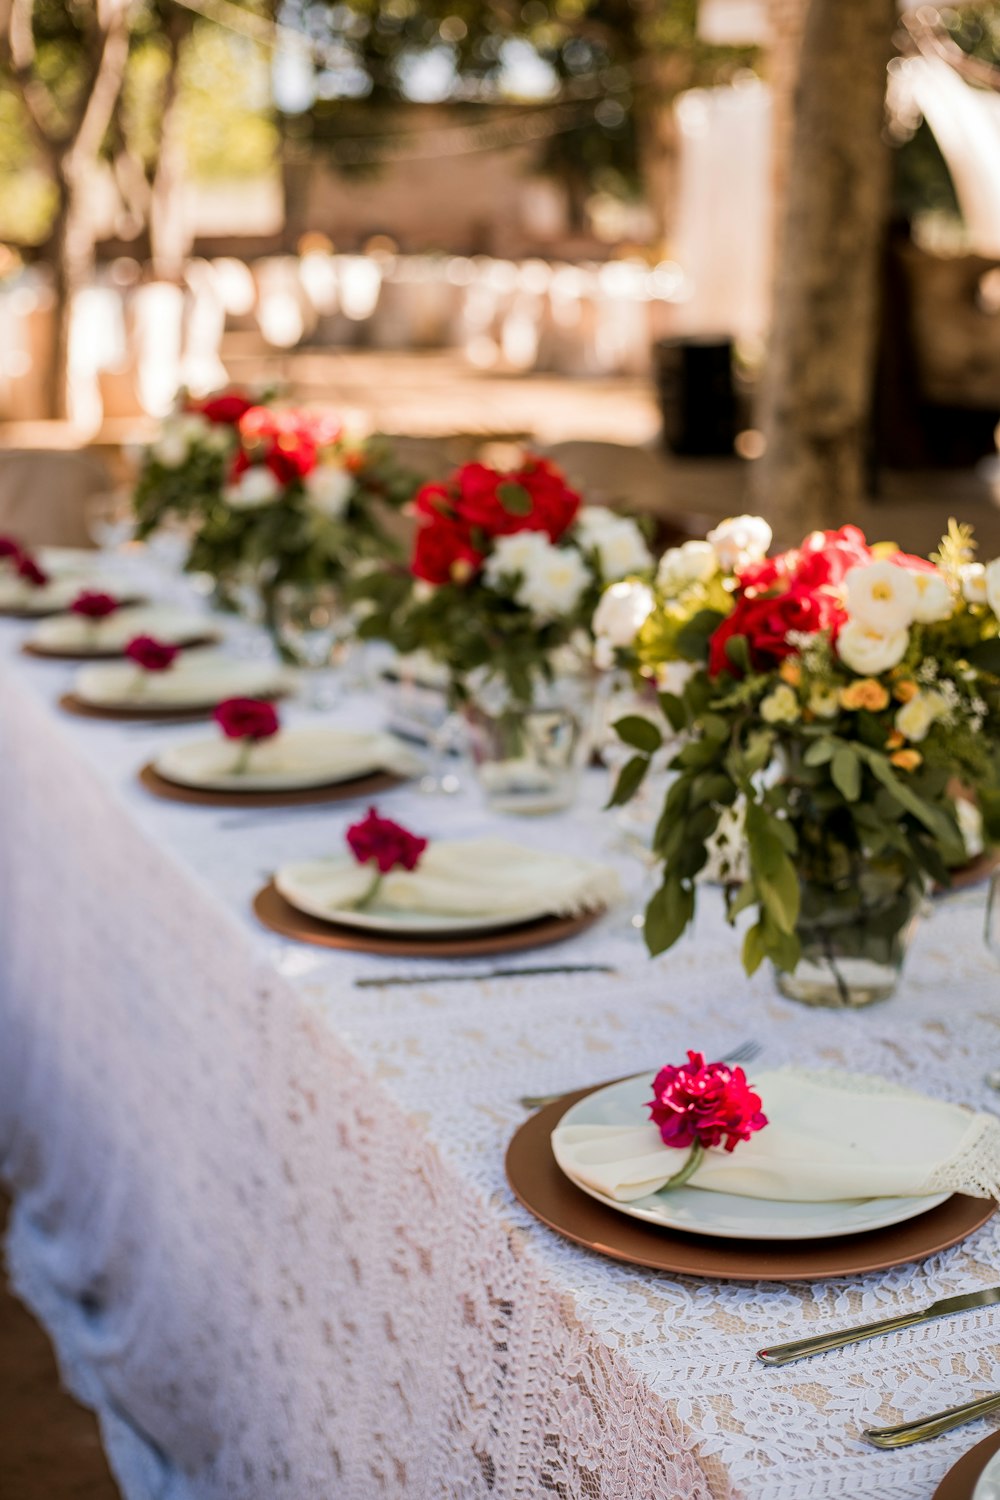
[313, 629]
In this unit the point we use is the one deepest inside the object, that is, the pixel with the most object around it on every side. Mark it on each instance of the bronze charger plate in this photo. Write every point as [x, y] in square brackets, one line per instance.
[271, 908]
[136, 715]
[962, 1478]
[210, 638]
[547, 1193]
[369, 785]
[10, 612]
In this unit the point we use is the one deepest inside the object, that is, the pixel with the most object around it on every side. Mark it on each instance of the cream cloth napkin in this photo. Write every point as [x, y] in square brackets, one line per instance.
[462, 878]
[299, 756]
[58, 593]
[73, 633]
[198, 679]
[829, 1136]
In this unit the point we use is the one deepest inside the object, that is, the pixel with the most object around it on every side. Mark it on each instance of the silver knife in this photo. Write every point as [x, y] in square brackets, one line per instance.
[932, 1426]
[784, 1354]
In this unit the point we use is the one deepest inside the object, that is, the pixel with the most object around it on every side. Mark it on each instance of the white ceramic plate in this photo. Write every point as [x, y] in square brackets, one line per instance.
[988, 1484]
[727, 1215]
[110, 637]
[297, 883]
[198, 680]
[294, 759]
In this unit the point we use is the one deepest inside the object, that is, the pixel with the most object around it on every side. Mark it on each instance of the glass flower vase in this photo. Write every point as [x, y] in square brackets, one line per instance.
[528, 756]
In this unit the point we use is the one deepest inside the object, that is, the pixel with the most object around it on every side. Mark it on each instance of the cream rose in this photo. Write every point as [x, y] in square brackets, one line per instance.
[934, 597]
[780, 706]
[515, 554]
[973, 580]
[622, 611]
[824, 702]
[693, 562]
[740, 540]
[868, 651]
[328, 489]
[255, 487]
[553, 581]
[881, 597]
[915, 718]
[620, 549]
[992, 577]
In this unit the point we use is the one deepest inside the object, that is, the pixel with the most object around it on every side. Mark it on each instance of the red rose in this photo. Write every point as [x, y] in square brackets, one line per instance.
[765, 620]
[702, 1104]
[534, 497]
[291, 456]
[10, 551]
[443, 553]
[910, 563]
[246, 719]
[225, 410]
[94, 605]
[151, 655]
[826, 556]
[29, 570]
[385, 842]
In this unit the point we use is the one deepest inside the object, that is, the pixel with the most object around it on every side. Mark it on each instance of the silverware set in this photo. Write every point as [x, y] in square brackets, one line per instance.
[386, 982]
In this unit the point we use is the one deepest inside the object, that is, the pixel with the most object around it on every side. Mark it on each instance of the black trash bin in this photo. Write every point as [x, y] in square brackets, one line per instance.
[697, 395]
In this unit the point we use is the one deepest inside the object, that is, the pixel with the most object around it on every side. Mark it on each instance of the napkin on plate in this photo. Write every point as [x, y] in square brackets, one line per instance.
[58, 593]
[468, 878]
[829, 1136]
[200, 679]
[74, 633]
[299, 753]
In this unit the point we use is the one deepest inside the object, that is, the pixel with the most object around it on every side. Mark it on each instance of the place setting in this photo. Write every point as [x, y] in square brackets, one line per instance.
[31, 589]
[254, 761]
[395, 893]
[100, 626]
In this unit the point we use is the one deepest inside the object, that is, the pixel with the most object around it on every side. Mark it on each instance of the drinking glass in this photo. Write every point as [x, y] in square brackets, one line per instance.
[110, 520]
[313, 629]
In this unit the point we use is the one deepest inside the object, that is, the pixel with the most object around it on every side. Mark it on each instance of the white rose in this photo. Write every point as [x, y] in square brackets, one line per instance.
[623, 609]
[591, 521]
[934, 598]
[194, 427]
[621, 550]
[553, 582]
[993, 585]
[674, 676]
[740, 540]
[171, 447]
[915, 718]
[973, 579]
[515, 554]
[780, 706]
[694, 562]
[869, 652]
[328, 490]
[881, 597]
[256, 486]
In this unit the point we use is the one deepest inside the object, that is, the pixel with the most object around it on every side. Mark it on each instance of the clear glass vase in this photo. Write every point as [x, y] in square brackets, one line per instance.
[528, 756]
[854, 932]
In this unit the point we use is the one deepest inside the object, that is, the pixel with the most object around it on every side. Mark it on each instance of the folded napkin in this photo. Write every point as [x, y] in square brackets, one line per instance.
[829, 1136]
[464, 878]
[296, 756]
[73, 633]
[58, 593]
[198, 680]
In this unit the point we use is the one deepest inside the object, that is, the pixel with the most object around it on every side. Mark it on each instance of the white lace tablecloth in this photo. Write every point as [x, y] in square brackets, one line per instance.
[263, 1212]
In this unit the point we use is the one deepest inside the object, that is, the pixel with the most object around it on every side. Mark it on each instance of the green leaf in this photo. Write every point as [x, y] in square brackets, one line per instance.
[630, 779]
[667, 915]
[989, 805]
[745, 897]
[760, 744]
[845, 772]
[691, 641]
[514, 498]
[738, 652]
[819, 753]
[985, 656]
[754, 951]
[714, 787]
[674, 711]
[640, 733]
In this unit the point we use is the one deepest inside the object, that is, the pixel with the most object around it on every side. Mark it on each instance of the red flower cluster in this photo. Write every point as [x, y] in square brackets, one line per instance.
[460, 518]
[225, 409]
[286, 441]
[150, 654]
[795, 591]
[704, 1104]
[388, 844]
[246, 719]
[10, 550]
[28, 569]
[92, 604]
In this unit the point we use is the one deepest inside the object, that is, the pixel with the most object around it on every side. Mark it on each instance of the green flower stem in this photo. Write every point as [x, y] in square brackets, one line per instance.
[694, 1161]
[242, 762]
[371, 892]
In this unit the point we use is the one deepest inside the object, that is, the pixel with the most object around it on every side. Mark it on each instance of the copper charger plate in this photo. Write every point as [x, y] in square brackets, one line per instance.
[962, 1478]
[369, 785]
[209, 639]
[544, 1191]
[271, 908]
[165, 715]
[11, 613]
[972, 873]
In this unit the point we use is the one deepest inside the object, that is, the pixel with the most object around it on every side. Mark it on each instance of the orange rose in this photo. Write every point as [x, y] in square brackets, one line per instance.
[906, 760]
[791, 672]
[895, 740]
[864, 694]
[905, 691]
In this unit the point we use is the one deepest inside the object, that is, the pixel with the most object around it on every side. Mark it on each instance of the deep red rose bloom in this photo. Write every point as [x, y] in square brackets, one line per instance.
[225, 410]
[826, 556]
[704, 1104]
[246, 719]
[487, 499]
[29, 570]
[443, 553]
[385, 842]
[766, 619]
[94, 605]
[10, 550]
[150, 654]
[286, 441]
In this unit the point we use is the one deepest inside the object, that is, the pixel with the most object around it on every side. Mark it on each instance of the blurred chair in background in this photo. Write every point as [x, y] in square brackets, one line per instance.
[44, 496]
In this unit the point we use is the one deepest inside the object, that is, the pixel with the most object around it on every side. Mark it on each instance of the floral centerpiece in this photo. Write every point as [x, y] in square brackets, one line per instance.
[271, 494]
[841, 693]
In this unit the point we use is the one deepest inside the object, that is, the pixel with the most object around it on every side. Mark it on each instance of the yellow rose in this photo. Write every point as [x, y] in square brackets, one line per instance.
[915, 718]
[790, 671]
[824, 702]
[780, 706]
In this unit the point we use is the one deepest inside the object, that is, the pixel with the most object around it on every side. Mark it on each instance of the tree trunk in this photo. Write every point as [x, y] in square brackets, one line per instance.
[71, 253]
[817, 387]
[169, 233]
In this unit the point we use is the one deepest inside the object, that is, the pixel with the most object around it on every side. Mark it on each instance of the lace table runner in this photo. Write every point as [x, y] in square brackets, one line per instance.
[264, 1214]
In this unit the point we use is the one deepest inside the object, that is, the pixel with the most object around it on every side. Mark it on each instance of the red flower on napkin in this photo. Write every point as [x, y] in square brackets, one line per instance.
[246, 719]
[29, 570]
[10, 550]
[94, 605]
[702, 1104]
[388, 844]
[150, 654]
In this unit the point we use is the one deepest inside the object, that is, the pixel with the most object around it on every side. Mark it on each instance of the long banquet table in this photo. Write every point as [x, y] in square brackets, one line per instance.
[263, 1212]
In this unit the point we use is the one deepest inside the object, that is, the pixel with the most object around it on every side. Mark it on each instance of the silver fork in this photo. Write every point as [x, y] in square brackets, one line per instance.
[745, 1052]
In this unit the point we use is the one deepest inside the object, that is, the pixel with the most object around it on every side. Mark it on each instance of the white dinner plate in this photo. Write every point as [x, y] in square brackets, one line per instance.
[45, 599]
[297, 758]
[729, 1215]
[297, 883]
[110, 636]
[988, 1484]
[196, 680]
